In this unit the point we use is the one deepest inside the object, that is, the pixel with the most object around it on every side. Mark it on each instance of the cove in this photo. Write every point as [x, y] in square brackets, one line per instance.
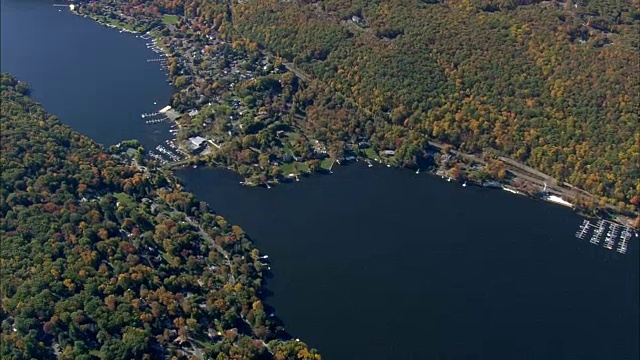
[378, 263]
[94, 78]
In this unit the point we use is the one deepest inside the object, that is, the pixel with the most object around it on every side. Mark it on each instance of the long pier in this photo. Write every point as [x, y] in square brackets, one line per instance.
[584, 228]
[149, 114]
[155, 121]
[624, 237]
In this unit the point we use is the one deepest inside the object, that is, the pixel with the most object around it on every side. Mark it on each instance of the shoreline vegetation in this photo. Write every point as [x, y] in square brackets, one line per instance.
[105, 258]
[270, 120]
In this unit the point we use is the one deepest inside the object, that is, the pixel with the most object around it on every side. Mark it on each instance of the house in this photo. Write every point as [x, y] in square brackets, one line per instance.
[388, 152]
[193, 112]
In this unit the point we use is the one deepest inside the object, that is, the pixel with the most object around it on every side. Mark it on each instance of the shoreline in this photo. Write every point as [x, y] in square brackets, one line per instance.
[233, 268]
[520, 172]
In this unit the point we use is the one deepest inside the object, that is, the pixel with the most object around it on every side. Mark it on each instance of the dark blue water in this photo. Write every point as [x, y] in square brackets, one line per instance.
[94, 78]
[384, 264]
[368, 263]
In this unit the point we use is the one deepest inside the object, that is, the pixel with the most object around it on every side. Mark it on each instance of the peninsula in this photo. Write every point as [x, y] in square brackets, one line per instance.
[105, 258]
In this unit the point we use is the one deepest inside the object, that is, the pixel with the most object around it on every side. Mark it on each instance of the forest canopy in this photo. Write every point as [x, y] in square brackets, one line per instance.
[555, 85]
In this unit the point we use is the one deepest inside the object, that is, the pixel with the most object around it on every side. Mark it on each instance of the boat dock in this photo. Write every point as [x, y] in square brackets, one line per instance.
[595, 238]
[155, 121]
[624, 239]
[149, 114]
[584, 228]
[614, 233]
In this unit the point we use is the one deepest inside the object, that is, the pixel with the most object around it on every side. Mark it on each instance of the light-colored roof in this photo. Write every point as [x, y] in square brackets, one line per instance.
[197, 140]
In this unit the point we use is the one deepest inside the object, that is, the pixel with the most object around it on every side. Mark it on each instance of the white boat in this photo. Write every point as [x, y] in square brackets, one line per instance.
[557, 200]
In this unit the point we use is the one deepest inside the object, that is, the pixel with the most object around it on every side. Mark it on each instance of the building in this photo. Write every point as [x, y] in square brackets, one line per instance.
[196, 143]
[172, 114]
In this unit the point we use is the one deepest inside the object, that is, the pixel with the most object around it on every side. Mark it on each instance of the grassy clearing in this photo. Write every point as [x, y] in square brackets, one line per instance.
[303, 167]
[117, 24]
[293, 136]
[370, 153]
[170, 19]
[294, 168]
[326, 164]
[287, 169]
[126, 200]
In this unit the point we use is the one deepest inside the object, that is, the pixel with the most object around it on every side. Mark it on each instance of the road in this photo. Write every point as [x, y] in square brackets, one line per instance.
[204, 235]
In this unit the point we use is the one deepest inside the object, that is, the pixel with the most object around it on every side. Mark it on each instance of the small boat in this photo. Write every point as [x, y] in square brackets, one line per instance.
[465, 184]
[195, 166]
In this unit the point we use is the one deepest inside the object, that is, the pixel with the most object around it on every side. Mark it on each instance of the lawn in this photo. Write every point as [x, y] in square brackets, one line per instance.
[293, 136]
[326, 164]
[170, 19]
[125, 199]
[291, 168]
[370, 153]
[287, 169]
[303, 167]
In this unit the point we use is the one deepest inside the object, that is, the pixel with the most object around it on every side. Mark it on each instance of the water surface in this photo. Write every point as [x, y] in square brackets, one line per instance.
[94, 78]
[384, 264]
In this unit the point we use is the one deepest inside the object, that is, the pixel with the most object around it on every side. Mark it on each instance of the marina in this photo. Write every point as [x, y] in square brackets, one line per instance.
[613, 233]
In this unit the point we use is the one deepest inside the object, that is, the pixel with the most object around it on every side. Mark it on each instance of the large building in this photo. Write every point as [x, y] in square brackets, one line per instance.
[197, 143]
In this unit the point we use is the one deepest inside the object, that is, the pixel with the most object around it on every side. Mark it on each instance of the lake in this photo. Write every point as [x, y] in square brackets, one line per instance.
[94, 78]
[368, 263]
[378, 263]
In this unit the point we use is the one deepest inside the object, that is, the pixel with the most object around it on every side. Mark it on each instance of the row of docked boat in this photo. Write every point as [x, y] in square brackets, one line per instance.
[158, 157]
[613, 231]
[168, 153]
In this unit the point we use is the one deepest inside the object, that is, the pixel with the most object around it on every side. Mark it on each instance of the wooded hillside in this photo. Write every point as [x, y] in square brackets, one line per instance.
[100, 260]
[556, 85]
